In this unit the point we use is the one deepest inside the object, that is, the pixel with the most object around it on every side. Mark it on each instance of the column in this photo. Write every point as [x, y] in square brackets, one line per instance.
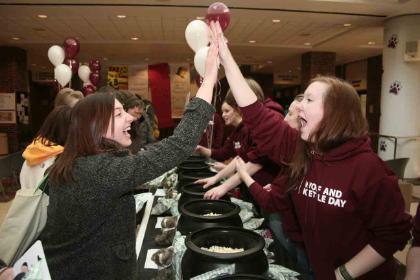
[400, 96]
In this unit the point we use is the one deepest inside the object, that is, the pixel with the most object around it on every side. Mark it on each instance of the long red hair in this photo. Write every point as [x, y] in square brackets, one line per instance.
[342, 120]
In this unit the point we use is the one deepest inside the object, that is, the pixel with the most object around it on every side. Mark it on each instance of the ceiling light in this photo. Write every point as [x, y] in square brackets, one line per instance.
[146, 59]
[16, 38]
[290, 71]
[42, 16]
[121, 16]
[275, 20]
[33, 64]
[371, 43]
[134, 38]
[269, 62]
[307, 44]
[105, 58]
[199, 18]
[347, 24]
[252, 41]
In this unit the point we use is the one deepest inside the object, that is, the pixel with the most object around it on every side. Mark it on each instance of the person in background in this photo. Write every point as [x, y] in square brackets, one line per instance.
[150, 112]
[67, 96]
[234, 180]
[141, 128]
[91, 226]
[39, 156]
[413, 256]
[340, 189]
[238, 143]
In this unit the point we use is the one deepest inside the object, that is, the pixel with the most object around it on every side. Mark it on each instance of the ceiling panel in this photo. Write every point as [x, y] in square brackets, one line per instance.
[160, 26]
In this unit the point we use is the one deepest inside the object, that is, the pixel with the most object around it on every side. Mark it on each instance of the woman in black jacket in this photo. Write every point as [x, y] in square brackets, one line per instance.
[90, 231]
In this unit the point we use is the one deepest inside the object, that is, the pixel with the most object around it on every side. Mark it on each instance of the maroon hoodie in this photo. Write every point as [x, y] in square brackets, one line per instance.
[416, 229]
[348, 199]
[272, 105]
[239, 143]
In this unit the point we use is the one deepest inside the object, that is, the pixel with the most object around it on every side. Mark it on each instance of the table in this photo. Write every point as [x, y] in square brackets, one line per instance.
[147, 232]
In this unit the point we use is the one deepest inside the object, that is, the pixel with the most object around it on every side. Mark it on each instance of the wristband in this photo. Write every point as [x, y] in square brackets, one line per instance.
[344, 273]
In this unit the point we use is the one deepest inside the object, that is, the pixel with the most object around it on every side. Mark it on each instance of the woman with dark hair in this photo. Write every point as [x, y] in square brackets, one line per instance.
[91, 225]
[39, 156]
[239, 143]
[347, 202]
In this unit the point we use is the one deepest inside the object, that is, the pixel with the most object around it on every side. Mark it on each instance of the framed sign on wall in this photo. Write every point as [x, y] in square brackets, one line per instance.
[7, 117]
[7, 101]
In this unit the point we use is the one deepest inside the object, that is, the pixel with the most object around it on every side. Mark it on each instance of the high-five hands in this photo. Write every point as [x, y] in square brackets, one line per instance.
[216, 37]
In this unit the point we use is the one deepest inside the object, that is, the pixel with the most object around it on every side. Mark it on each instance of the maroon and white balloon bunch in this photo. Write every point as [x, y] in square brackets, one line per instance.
[197, 31]
[90, 76]
[64, 59]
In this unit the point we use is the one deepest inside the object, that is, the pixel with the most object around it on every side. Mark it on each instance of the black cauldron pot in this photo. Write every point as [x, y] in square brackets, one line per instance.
[192, 166]
[197, 261]
[192, 215]
[241, 277]
[191, 192]
[196, 157]
[190, 176]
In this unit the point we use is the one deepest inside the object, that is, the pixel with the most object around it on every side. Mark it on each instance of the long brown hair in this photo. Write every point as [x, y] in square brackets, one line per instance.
[55, 127]
[255, 87]
[342, 120]
[89, 123]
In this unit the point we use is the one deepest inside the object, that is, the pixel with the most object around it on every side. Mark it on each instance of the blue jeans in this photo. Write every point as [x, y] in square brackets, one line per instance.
[275, 224]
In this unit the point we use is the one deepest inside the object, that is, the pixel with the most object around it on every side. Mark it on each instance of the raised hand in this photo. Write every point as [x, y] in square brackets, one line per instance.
[212, 63]
[216, 36]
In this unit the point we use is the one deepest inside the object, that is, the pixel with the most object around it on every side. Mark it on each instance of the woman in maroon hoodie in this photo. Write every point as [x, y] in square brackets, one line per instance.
[413, 256]
[347, 202]
[239, 143]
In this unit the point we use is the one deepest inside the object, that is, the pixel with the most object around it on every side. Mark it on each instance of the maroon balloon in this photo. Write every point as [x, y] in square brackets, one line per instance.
[89, 89]
[71, 47]
[73, 64]
[218, 11]
[95, 65]
[95, 77]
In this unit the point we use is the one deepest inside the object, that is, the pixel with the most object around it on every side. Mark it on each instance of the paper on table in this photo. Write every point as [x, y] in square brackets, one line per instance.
[149, 263]
[160, 192]
[159, 222]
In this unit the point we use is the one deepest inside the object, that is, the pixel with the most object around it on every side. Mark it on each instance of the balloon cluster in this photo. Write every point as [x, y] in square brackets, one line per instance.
[90, 76]
[64, 60]
[197, 31]
[66, 64]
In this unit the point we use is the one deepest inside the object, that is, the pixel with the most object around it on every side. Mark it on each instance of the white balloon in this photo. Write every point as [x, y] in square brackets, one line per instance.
[62, 73]
[200, 60]
[196, 35]
[56, 55]
[84, 72]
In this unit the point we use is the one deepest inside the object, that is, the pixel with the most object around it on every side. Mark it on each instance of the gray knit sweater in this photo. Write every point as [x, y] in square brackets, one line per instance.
[90, 231]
